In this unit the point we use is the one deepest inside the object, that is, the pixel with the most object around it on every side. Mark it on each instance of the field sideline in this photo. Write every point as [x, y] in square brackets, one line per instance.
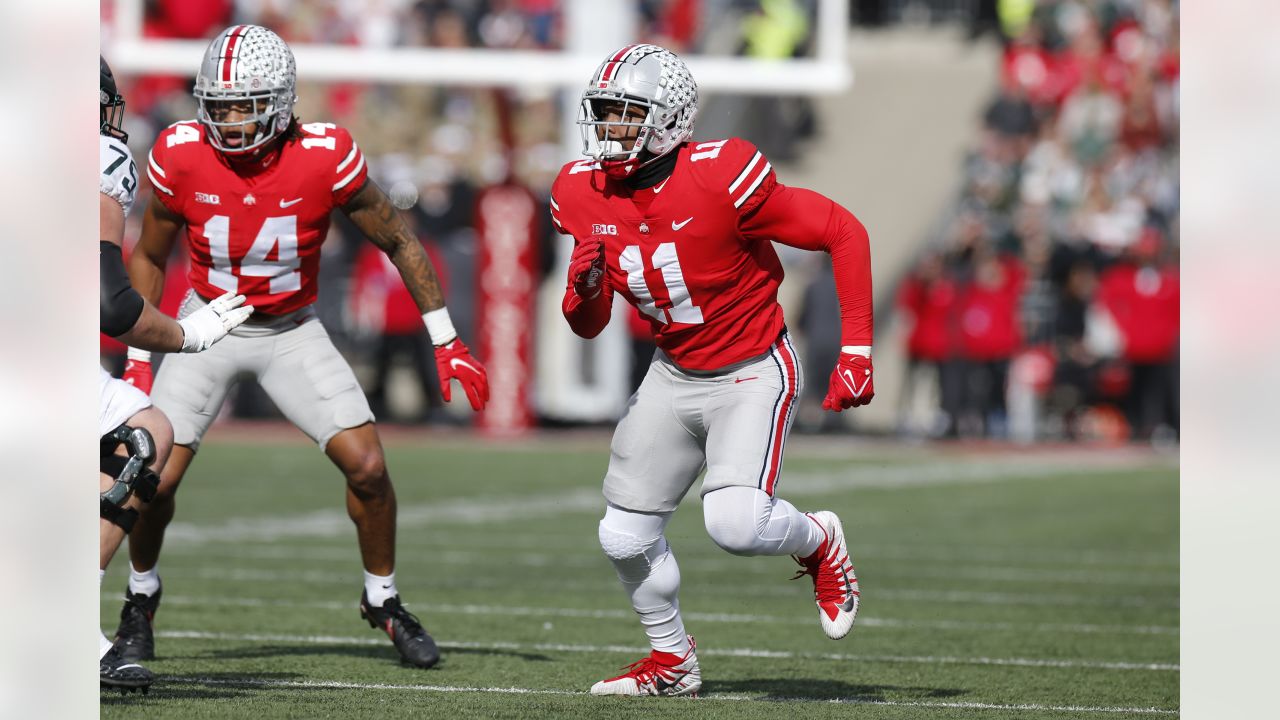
[997, 584]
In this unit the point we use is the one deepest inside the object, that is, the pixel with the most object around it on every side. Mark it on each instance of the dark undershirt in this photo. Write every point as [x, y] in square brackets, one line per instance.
[649, 176]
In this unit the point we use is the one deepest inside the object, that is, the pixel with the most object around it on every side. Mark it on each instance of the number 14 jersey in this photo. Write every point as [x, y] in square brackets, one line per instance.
[255, 226]
[675, 251]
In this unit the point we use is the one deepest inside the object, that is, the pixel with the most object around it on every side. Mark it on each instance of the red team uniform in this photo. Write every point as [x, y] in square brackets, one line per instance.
[696, 257]
[256, 229]
[684, 231]
[254, 189]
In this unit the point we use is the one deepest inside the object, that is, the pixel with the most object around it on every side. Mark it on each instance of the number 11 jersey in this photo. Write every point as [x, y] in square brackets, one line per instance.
[675, 251]
[255, 226]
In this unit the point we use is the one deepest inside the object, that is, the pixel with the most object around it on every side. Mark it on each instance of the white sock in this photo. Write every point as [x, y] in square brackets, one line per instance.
[379, 588]
[144, 583]
[656, 600]
[804, 526]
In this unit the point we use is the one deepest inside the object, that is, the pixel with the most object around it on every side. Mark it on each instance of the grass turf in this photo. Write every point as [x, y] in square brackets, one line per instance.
[1037, 589]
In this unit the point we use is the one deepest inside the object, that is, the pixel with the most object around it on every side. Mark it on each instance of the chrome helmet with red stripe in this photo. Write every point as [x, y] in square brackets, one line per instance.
[650, 93]
[245, 88]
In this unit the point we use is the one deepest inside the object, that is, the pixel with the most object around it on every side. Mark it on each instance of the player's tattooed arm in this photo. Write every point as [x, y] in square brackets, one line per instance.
[371, 210]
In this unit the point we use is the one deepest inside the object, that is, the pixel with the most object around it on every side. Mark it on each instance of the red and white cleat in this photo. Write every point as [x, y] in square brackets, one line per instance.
[657, 674]
[835, 586]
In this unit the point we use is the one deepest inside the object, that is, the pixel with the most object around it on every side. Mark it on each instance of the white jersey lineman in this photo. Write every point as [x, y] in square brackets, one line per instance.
[118, 179]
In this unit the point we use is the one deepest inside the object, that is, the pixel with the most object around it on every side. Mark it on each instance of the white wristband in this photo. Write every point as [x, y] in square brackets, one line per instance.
[863, 350]
[439, 326]
[139, 355]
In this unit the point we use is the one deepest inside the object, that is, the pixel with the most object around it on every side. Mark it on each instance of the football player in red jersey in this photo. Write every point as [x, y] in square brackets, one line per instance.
[254, 188]
[684, 231]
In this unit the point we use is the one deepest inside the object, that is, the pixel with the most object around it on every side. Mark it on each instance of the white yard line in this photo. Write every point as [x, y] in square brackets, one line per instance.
[473, 511]
[428, 609]
[728, 652]
[605, 580]
[591, 557]
[728, 697]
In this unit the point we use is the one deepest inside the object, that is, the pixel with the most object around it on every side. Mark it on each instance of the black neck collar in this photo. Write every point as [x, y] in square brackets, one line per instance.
[653, 173]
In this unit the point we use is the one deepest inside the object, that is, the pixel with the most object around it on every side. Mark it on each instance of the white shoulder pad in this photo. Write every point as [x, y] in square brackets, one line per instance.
[119, 176]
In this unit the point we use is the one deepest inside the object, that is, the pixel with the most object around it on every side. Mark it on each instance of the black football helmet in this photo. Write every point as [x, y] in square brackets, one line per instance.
[111, 103]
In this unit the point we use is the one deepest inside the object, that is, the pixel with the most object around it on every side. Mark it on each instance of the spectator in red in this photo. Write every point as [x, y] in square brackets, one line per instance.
[1142, 295]
[990, 335]
[382, 307]
[927, 296]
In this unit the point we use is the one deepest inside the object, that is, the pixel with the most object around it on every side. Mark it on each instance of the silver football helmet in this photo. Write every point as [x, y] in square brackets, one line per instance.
[652, 79]
[251, 67]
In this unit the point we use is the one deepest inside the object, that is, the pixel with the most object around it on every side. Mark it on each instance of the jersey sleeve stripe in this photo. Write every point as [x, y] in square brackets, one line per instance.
[554, 205]
[745, 172]
[352, 175]
[153, 165]
[764, 172]
[556, 220]
[350, 156]
[152, 176]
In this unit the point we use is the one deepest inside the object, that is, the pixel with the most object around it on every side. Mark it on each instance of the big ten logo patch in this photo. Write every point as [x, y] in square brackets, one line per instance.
[598, 229]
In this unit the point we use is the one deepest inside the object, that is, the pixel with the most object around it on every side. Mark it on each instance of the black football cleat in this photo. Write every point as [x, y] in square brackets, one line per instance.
[134, 637]
[411, 640]
[116, 673]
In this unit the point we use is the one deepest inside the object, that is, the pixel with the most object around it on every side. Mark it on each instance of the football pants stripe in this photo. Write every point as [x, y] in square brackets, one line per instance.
[784, 358]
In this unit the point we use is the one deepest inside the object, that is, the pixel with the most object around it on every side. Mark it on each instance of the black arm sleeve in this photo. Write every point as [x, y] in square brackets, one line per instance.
[121, 304]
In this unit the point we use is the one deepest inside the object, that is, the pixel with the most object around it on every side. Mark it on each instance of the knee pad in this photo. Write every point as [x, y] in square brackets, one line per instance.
[633, 556]
[736, 535]
[734, 518]
[132, 474]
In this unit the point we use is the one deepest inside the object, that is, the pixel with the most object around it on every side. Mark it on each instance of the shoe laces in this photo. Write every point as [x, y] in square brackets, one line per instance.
[828, 579]
[646, 668]
[135, 615]
[408, 620]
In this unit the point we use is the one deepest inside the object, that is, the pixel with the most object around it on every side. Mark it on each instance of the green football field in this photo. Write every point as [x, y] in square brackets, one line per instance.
[995, 584]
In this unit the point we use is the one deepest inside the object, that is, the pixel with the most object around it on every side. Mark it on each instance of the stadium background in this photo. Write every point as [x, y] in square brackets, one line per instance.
[1016, 165]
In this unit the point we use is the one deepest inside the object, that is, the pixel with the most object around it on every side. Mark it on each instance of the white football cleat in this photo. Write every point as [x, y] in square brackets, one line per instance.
[658, 673]
[835, 586]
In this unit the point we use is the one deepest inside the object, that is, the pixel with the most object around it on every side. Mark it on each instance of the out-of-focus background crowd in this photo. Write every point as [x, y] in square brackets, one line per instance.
[1016, 162]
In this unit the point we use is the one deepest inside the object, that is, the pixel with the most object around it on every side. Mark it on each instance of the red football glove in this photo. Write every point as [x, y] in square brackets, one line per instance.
[851, 384]
[137, 371]
[455, 362]
[586, 267]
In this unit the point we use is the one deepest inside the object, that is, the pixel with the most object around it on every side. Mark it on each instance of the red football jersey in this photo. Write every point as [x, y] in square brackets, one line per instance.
[256, 227]
[675, 251]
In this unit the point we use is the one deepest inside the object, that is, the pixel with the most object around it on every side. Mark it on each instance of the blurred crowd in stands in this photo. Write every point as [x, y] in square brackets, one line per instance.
[1047, 307]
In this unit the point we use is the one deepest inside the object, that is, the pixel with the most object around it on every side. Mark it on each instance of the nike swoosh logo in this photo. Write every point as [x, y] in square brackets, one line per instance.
[847, 377]
[455, 363]
[284, 204]
[658, 188]
[741, 380]
[677, 225]
[386, 587]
